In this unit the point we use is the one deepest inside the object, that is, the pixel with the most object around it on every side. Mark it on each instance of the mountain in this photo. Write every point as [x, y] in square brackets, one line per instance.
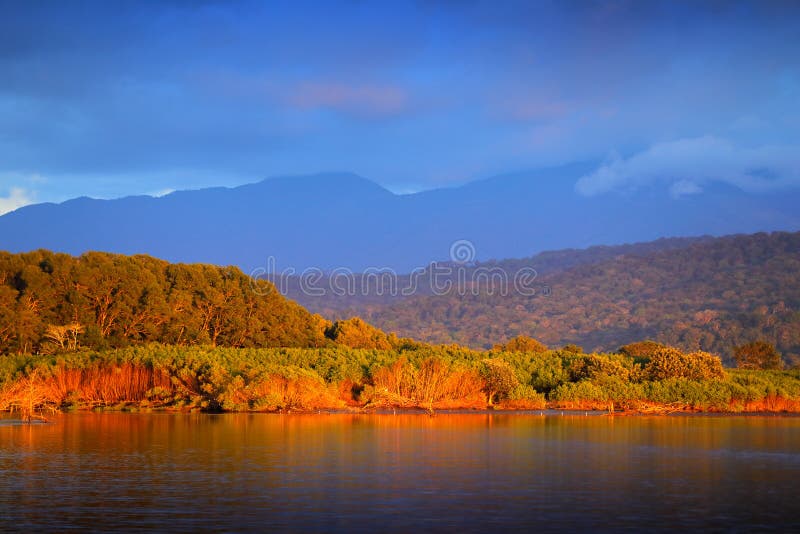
[706, 294]
[342, 220]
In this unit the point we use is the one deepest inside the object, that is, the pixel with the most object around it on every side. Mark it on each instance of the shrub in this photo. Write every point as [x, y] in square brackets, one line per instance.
[757, 355]
[714, 394]
[357, 334]
[499, 378]
[522, 344]
[592, 366]
[641, 350]
[525, 397]
[547, 372]
[672, 363]
[585, 390]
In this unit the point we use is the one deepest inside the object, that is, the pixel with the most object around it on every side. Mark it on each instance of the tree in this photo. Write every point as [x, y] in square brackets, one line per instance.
[64, 337]
[592, 366]
[119, 300]
[757, 355]
[672, 363]
[357, 334]
[522, 344]
[8, 298]
[641, 349]
[499, 378]
[27, 394]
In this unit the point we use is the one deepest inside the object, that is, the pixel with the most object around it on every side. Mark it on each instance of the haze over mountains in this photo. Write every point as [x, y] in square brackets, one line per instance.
[343, 220]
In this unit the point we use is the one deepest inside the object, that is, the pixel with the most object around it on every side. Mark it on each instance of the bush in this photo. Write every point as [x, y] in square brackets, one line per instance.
[228, 379]
[641, 350]
[593, 366]
[757, 355]
[671, 363]
[500, 379]
[715, 394]
[357, 334]
[547, 372]
[524, 397]
[585, 390]
[522, 344]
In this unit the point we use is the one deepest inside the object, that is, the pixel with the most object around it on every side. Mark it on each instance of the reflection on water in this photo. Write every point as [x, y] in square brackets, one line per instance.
[403, 472]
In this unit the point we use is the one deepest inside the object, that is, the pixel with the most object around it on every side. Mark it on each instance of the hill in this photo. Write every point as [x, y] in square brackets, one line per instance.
[708, 295]
[55, 302]
[329, 221]
[345, 294]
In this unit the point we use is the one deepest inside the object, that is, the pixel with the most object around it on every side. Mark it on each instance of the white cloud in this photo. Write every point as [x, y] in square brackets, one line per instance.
[17, 197]
[162, 192]
[684, 187]
[686, 164]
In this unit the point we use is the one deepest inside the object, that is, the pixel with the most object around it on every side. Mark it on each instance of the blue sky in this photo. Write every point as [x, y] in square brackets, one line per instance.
[114, 98]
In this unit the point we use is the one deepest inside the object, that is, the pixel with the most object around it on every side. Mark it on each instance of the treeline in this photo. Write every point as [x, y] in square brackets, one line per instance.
[53, 302]
[645, 377]
[710, 295]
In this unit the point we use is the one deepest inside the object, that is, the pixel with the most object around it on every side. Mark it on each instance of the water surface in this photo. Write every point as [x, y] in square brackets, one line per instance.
[189, 472]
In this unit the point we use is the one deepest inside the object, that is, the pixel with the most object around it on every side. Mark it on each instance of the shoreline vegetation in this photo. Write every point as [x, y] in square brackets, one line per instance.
[134, 332]
[517, 376]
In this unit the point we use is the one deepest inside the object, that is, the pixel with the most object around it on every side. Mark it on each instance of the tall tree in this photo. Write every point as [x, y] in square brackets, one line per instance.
[757, 355]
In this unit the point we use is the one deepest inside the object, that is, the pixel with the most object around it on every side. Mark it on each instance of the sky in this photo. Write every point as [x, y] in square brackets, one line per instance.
[107, 99]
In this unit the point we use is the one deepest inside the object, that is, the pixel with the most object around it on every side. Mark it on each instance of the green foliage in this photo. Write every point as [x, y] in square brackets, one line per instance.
[357, 334]
[601, 390]
[641, 350]
[500, 379]
[547, 371]
[526, 396]
[757, 355]
[522, 344]
[688, 392]
[585, 390]
[55, 302]
[672, 363]
[251, 379]
[593, 366]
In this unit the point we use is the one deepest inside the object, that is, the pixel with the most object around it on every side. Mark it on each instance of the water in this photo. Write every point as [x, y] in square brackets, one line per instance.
[402, 473]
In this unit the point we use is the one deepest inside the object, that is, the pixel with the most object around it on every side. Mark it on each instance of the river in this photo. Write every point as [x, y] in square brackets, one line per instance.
[399, 473]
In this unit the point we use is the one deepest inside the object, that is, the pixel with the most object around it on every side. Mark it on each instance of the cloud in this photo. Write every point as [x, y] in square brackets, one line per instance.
[162, 192]
[684, 187]
[17, 197]
[529, 107]
[369, 100]
[404, 95]
[686, 165]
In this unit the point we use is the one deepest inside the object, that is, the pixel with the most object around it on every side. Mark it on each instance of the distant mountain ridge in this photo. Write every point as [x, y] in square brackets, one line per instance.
[342, 220]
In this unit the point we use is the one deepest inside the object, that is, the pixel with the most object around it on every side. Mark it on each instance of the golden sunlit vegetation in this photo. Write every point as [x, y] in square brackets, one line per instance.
[52, 302]
[412, 376]
[104, 330]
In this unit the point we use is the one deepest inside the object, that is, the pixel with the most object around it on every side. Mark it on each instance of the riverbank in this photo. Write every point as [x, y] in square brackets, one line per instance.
[417, 378]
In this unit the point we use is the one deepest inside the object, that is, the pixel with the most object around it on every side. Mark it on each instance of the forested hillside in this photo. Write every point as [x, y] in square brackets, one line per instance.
[706, 294]
[51, 302]
[710, 295]
[360, 293]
